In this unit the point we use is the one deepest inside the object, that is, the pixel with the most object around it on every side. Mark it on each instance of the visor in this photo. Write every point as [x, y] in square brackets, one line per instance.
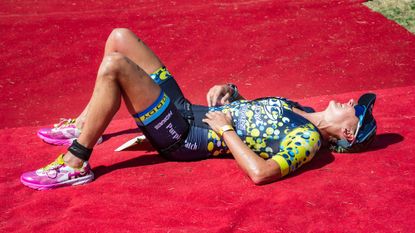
[366, 126]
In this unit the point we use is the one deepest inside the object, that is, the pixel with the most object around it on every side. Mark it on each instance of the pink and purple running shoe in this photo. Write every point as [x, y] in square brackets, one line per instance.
[57, 174]
[62, 133]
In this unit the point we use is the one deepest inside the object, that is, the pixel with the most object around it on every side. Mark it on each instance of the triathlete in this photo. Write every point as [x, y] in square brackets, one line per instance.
[268, 137]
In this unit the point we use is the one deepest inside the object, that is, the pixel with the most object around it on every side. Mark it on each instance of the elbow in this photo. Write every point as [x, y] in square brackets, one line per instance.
[261, 178]
[258, 180]
[263, 171]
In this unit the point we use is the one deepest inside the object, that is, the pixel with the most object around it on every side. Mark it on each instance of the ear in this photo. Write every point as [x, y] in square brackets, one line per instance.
[348, 134]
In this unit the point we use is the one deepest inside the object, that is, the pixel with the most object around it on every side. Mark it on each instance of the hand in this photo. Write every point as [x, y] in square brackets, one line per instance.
[219, 95]
[218, 119]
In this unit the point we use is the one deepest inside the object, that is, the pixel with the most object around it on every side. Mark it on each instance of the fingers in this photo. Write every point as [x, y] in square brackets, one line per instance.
[213, 96]
[209, 115]
[217, 119]
[213, 114]
[209, 97]
[225, 99]
[209, 118]
[229, 115]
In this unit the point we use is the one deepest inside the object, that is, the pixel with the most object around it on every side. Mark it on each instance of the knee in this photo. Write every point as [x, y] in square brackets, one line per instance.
[113, 64]
[119, 35]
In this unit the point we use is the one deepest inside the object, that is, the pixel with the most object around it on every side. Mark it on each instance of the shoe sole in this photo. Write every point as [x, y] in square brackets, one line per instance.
[57, 142]
[78, 181]
[61, 142]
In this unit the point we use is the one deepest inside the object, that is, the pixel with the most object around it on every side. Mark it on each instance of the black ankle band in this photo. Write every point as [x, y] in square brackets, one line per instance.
[80, 151]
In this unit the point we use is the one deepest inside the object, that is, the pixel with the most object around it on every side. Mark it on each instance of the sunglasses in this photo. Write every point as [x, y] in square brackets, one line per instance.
[360, 112]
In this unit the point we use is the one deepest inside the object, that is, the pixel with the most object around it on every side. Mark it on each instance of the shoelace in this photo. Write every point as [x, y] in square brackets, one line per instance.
[64, 123]
[52, 169]
[53, 164]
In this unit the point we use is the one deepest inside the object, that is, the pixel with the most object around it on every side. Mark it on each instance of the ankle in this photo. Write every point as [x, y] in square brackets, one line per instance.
[79, 122]
[72, 161]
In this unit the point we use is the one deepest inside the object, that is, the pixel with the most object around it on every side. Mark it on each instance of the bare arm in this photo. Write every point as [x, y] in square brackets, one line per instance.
[259, 170]
[221, 94]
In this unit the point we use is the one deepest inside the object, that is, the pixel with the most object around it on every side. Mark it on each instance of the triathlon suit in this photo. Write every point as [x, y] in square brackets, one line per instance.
[268, 126]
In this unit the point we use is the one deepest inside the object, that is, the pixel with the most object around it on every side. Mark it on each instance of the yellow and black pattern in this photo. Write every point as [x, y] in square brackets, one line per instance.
[153, 111]
[298, 147]
[161, 75]
[270, 128]
[216, 146]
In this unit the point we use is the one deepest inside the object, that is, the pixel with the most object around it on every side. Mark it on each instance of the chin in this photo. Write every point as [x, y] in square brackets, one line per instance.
[334, 103]
[331, 104]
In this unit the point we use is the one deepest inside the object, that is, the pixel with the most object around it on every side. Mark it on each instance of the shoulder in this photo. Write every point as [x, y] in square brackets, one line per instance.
[303, 135]
[298, 147]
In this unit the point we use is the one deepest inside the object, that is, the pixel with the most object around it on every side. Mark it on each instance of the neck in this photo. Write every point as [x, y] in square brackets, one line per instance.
[317, 119]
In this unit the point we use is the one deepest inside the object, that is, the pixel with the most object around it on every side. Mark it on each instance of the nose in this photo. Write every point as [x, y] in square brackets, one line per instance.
[351, 102]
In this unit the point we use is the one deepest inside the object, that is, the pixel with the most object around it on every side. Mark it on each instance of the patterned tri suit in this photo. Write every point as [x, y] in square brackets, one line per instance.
[268, 126]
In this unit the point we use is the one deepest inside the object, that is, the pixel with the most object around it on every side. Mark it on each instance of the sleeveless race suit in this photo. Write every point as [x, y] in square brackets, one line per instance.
[268, 126]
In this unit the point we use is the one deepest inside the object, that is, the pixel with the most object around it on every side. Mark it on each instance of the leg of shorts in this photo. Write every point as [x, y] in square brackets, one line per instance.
[162, 123]
[208, 141]
[195, 145]
[169, 85]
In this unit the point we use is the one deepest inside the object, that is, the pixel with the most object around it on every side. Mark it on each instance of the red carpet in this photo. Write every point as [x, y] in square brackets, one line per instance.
[311, 52]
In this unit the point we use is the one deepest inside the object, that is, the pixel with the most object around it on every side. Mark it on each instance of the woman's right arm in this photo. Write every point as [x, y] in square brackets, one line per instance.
[222, 94]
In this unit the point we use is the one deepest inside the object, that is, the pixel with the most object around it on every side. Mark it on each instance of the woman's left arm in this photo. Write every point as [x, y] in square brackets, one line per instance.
[259, 170]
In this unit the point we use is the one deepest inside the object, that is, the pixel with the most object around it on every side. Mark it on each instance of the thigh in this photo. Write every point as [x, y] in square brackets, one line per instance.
[168, 84]
[163, 125]
[124, 41]
[193, 148]
[138, 89]
[173, 136]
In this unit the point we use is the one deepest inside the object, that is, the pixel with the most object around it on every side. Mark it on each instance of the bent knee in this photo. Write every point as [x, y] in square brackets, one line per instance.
[121, 34]
[113, 63]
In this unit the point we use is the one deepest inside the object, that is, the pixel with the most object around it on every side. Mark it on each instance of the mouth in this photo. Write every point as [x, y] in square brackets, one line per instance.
[337, 104]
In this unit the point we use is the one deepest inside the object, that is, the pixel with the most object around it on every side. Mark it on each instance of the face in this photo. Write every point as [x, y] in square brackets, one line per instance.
[343, 116]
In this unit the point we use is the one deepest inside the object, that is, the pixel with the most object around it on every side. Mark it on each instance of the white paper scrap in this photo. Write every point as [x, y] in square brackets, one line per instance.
[131, 143]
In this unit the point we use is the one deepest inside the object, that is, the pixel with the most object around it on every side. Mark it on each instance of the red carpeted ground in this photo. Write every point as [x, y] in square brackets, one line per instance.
[310, 51]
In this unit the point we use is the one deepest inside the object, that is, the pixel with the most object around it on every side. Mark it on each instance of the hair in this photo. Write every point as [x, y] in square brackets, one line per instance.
[359, 147]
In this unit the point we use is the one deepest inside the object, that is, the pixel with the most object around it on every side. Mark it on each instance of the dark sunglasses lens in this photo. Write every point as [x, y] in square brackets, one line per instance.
[359, 110]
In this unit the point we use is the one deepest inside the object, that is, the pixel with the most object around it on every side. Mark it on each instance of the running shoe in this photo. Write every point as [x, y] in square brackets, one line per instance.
[62, 133]
[57, 174]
